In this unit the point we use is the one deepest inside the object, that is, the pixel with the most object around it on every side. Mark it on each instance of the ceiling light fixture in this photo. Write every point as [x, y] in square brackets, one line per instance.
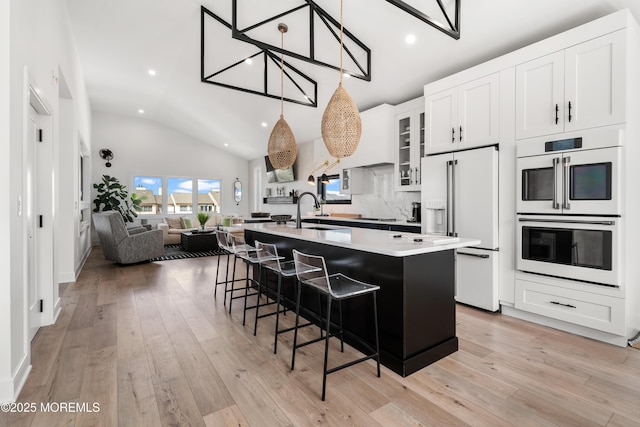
[248, 61]
[152, 72]
[282, 148]
[410, 39]
[264, 124]
[341, 125]
[141, 111]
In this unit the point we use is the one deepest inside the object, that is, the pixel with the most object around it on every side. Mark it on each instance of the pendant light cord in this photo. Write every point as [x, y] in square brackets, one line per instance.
[340, 42]
[282, 74]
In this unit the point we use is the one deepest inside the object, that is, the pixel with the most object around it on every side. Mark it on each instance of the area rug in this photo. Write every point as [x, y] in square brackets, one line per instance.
[176, 252]
[635, 342]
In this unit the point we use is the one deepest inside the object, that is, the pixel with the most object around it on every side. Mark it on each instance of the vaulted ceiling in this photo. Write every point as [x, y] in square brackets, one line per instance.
[119, 41]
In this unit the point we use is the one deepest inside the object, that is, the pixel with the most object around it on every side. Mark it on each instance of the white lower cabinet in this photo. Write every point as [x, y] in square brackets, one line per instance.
[601, 312]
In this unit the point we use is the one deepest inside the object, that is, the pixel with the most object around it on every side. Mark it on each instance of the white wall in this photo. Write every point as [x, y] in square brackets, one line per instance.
[143, 147]
[41, 42]
[6, 215]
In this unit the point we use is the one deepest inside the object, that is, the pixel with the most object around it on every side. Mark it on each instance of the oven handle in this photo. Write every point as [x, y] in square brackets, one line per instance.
[555, 204]
[567, 221]
[566, 161]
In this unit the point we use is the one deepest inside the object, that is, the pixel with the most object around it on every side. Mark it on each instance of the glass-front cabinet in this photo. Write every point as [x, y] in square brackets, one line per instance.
[409, 142]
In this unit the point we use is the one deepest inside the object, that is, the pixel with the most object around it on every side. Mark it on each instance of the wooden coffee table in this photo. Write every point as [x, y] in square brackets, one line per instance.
[194, 242]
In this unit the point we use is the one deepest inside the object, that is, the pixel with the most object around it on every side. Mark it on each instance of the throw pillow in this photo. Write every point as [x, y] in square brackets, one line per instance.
[186, 222]
[173, 222]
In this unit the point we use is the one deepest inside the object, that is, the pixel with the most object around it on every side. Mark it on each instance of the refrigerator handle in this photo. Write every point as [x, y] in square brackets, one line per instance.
[448, 211]
[453, 198]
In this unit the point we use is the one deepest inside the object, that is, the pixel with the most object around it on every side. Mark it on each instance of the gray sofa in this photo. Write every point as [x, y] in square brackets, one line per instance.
[126, 246]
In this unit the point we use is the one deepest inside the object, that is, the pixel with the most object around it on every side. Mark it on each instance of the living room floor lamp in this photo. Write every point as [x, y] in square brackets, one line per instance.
[282, 149]
[341, 125]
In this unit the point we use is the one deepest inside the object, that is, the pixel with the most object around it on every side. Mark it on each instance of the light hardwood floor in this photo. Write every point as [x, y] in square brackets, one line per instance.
[151, 345]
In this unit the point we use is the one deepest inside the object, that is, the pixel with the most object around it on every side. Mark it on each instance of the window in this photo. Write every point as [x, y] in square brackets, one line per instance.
[330, 192]
[209, 195]
[151, 188]
[183, 195]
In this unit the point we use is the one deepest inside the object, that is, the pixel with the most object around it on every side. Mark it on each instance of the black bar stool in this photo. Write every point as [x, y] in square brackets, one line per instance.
[311, 271]
[246, 253]
[271, 261]
[224, 244]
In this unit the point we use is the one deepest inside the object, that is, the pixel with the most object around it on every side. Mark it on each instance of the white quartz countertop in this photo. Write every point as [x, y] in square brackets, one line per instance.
[363, 239]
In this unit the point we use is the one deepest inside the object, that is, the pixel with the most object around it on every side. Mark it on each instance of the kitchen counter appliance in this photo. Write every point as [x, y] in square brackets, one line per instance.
[460, 197]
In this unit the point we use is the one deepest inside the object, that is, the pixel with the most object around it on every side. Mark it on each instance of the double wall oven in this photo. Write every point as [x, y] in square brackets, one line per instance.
[569, 206]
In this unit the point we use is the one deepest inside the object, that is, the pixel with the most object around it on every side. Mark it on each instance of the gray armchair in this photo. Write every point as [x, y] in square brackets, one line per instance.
[126, 246]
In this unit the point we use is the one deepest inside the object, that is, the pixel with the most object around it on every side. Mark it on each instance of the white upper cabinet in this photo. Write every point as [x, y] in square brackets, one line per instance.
[464, 116]
[409, 144]
[577, 88]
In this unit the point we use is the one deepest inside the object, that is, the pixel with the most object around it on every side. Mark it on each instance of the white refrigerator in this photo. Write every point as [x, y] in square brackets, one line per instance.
[460, 198]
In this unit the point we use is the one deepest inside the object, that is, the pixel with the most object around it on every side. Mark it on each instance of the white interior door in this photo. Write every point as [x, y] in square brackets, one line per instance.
[476, 195]
[31, 180]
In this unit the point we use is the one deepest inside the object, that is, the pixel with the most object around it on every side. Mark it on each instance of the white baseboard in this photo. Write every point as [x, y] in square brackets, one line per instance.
[82, 262]
[565, 326]
[66, 277]
[10, 388]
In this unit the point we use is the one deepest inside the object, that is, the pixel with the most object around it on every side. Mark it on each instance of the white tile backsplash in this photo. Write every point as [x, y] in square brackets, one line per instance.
[380, 199]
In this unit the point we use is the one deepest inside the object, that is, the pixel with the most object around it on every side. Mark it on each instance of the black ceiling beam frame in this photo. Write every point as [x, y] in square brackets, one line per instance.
[364, 70]
[452, 29]
[266, 55]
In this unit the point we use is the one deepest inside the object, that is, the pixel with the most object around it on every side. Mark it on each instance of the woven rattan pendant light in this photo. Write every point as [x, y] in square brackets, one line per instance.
[341, 125]
[282, 148]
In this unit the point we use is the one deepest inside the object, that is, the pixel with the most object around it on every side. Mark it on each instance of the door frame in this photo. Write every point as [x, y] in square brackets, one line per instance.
[32, 97]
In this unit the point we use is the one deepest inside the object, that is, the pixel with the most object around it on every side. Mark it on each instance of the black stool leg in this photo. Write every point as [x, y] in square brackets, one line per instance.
[341, 330]
[295, 329]
[226, 280]
[233, 281]
[326, 348]
[275, 343]
[255, 324]
[375, 322]
[246, 293]
[215, 289]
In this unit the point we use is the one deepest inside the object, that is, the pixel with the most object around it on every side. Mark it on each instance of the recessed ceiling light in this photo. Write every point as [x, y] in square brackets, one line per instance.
[410, 39]
[346, 75]
[264, 124]
[141, 111]
[248, 60]
[226, 144]
[152, 72]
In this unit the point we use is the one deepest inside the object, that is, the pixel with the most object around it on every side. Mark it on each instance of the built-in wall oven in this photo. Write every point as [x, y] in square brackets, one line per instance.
[569, 206]
[586, 249]
[579, 174]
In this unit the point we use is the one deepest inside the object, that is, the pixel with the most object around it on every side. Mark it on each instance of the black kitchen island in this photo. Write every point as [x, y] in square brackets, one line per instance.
[416, 305]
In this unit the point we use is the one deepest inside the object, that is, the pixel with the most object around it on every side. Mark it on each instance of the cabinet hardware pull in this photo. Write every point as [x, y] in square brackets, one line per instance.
[569, 111]
[460, 133]
[473, 255]
[562, 304]
[557, 111]
[453, 135]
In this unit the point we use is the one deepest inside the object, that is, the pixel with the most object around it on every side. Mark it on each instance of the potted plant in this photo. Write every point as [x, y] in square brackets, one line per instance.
[113, 196]
[203, 217]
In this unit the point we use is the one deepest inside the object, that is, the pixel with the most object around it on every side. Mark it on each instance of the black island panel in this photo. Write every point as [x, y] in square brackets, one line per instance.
[416, 306]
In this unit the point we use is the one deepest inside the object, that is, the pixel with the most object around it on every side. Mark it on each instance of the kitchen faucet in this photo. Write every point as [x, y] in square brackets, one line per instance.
[298, 219]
